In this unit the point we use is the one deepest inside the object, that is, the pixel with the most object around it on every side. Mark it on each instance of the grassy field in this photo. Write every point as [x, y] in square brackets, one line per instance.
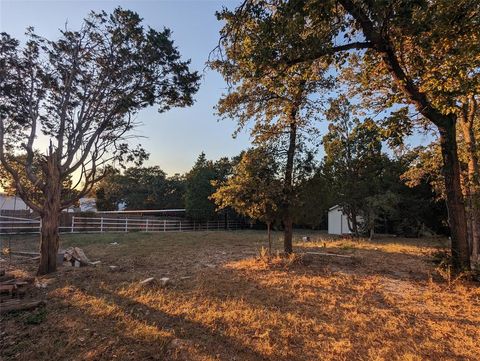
[385, 302]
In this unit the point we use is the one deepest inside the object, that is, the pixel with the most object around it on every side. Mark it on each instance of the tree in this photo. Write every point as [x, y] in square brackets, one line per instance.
[378, 207]
[175, 192]
[254, 190]
[200, 186]
[81, 92]
[7, 182]
[418, 207]
[140, 188]
[353, 161]
[281, 103]
[425, 166]
[314, 199]
[469, 119]
[429, 50]
[109, 192]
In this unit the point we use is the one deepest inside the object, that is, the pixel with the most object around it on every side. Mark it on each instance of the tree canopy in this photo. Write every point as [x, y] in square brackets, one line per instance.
[423, 54]
[81, 92]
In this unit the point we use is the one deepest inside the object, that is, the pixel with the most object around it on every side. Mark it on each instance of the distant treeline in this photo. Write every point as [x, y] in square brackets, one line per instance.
[373, 188]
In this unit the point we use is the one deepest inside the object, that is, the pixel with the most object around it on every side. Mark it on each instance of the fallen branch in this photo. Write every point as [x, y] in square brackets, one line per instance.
[18, 305]
[329, 254]
[24, 254]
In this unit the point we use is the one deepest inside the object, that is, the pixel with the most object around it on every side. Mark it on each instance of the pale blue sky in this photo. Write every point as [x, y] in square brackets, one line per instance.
[177, 137]
[173, 139]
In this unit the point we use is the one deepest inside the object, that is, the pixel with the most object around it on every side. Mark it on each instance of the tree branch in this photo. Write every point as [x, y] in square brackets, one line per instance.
[330, 51]
[383, 46]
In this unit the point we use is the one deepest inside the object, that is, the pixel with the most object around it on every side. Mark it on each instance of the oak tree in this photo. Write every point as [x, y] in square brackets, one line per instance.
[430, 51]
[279, 105]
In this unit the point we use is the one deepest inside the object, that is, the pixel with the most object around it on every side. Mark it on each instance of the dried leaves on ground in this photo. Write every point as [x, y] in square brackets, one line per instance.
[227, 300]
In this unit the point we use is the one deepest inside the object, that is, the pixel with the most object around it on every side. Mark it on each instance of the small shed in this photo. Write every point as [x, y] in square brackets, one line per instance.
[337, 221]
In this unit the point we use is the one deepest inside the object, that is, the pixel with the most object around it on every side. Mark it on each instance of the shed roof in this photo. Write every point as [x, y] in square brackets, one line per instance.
[334, 207]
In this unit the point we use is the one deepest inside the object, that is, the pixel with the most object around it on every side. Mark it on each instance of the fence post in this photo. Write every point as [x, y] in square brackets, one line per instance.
[126, 224]
[72, 227]
[101, 225]
[146, 226]
[218, 225]
[164, 225]
[193, 224]
[180, 226]
[207, 225]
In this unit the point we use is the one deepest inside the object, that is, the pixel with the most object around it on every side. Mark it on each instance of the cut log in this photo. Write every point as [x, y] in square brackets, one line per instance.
[19, 305]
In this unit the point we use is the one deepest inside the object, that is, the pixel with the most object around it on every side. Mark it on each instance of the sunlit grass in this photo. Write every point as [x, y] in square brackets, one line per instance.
[385, 302]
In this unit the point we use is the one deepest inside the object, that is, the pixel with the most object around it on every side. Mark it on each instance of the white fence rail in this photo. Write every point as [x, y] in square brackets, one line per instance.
[105, 224]
[16, 225]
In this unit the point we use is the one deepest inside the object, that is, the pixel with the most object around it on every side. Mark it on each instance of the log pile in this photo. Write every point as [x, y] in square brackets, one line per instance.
[12, 294]
[74, 256]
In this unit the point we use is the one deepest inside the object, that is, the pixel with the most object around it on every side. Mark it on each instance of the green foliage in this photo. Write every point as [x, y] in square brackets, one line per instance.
[254, 189]
[315, 197]
[368, 183]
[425, 166]
[108, 192]
[200, 182]
[420, 54]
[353, 159]
[141, 188]
[281, 102]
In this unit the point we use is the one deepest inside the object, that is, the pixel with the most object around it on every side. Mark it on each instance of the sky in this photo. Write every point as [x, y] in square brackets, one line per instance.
[176, 138]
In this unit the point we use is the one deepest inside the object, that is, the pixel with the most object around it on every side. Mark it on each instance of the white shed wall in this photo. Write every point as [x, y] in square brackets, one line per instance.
[337, 222]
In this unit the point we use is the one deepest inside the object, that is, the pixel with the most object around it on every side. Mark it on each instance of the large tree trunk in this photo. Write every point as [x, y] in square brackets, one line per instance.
[288, 188]
[468, 209]
[473, 183]
[287, 235]
[446, 125]
[456, 208]
[49, 237]
[49, 243]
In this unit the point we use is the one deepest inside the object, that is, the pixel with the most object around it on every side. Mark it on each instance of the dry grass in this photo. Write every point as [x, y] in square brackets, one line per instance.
[386, 302]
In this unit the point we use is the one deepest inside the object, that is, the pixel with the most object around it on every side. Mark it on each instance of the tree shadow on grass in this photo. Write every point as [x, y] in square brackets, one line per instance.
[195, 337]
[366, 261]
